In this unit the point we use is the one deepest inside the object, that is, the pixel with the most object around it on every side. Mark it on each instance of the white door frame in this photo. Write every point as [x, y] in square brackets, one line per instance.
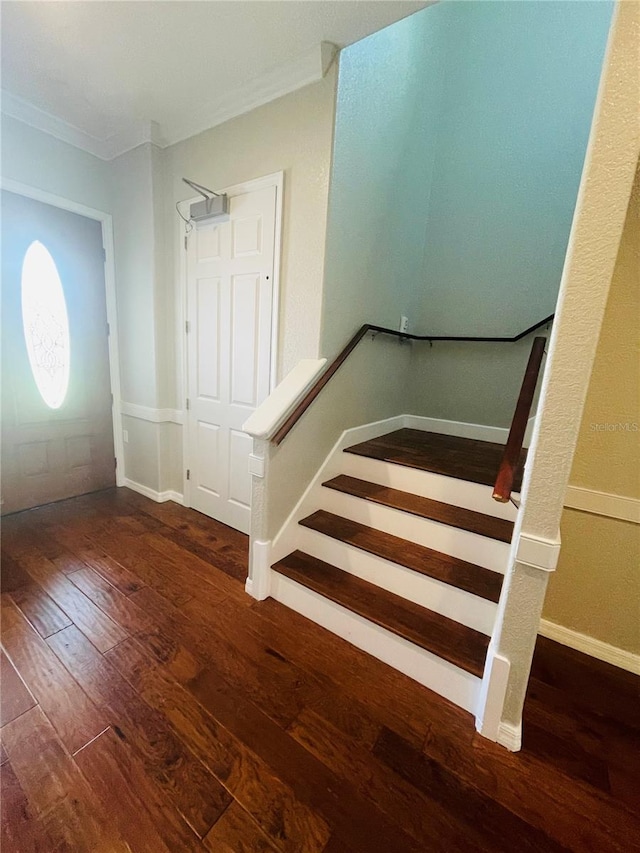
[275, 180]
[106, 220]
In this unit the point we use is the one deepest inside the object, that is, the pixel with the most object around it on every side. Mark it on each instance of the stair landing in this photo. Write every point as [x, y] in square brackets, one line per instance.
[462, 458]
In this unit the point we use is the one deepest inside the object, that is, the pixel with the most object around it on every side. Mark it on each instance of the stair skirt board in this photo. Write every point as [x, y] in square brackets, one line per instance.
[461, 493]
[449, 601]
[442, 677]
[471, 547]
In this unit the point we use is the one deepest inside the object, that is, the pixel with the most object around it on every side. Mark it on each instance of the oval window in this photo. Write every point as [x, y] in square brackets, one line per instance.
[46, 324]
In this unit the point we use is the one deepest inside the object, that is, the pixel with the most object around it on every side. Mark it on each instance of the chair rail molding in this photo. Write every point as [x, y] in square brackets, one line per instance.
[155, 416]
[603, 503]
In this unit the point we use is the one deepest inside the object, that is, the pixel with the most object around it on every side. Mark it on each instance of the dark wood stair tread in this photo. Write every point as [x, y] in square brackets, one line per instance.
[454, 516]
[442, 567]
[456, 643]
[463, 458]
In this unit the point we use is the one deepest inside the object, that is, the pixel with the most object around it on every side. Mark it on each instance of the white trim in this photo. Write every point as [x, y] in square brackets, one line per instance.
[276, 179]
[258, 583]
[309, 67]
[264, 421]
[480, 432]
[137, 133]
[603, 503]
[510, 736]
[590, 646]
[156, 416]
[537, 552]
[110, 293]
[158, 497]
[492, 694]
[306, 68]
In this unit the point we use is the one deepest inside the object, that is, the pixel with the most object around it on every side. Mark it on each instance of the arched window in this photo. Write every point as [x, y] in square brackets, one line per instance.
[46, 324]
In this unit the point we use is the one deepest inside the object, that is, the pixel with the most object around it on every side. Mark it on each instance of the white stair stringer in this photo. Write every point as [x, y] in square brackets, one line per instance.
[450, 490]
[463, 544]
[450, 681]
[449, 601]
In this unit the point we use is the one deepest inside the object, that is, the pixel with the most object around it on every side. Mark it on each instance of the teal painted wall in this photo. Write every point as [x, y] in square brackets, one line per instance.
[459, 142]
[519, 90]
[385, 138]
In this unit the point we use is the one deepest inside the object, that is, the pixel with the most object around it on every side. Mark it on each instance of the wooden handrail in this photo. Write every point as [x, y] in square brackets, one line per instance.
[513, 448]
[340, 359]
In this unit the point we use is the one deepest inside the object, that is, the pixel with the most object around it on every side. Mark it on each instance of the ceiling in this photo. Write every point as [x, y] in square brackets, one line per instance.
[108, 75]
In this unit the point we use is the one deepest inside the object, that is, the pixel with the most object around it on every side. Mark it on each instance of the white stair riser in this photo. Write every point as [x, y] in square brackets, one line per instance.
[449, 601]
[462, 544]
[439, 675]
[446, 489]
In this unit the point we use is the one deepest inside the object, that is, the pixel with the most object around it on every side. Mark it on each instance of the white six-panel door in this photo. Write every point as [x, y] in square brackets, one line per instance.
[230, 270]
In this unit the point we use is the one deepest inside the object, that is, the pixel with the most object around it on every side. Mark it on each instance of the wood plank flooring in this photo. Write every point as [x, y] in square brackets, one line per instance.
[148, 704]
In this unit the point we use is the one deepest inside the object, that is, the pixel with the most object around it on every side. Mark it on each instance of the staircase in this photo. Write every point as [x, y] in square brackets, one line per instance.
[404, 555]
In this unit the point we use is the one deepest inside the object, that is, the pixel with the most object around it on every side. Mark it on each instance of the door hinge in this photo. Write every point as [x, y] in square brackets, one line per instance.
[104, 255]
[186, 327]
[112, 401]
[108, 330]
[115, 462]
[188, 473]
[185, 242]
[188, 404]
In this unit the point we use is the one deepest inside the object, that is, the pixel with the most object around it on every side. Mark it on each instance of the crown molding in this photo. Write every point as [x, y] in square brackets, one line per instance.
[105, 149]
[309, 67]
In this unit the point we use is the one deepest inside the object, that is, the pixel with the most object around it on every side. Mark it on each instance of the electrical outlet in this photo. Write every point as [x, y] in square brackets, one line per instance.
[125, 436]
[404, 324]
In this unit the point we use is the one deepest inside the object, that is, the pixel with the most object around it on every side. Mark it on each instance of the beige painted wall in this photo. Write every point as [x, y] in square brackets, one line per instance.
[596, 589]
[292, 134]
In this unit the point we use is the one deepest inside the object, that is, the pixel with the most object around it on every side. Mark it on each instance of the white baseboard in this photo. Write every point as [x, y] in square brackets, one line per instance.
[590, 646]
[603, 503]
[457, 428]
[481, 432]
[510, 736]
[158, 497]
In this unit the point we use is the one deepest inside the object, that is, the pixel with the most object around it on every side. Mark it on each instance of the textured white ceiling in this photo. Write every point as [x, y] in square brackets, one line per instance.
[102, 67]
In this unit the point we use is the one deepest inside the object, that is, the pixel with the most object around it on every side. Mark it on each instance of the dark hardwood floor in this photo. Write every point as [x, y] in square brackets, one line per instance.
[148, 704]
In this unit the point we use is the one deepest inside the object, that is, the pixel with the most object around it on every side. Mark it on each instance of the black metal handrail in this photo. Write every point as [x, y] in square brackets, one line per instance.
[340, 359]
